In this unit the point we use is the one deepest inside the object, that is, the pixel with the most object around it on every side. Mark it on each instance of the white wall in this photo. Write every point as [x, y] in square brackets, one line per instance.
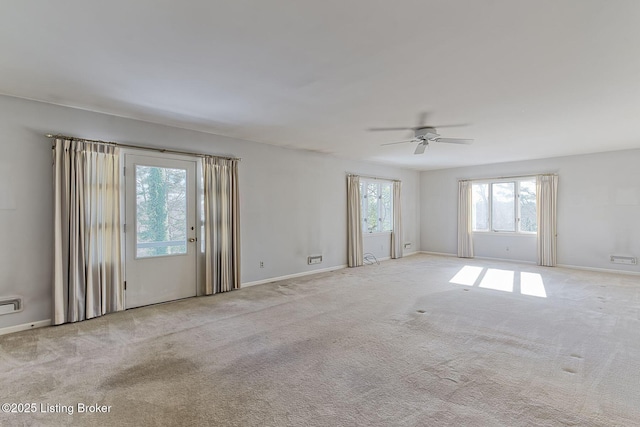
[377, 244]
[292, 203]
[598, 209]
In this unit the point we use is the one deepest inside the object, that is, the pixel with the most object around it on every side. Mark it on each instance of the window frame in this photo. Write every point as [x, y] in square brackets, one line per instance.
[517, 208]
[364, 203]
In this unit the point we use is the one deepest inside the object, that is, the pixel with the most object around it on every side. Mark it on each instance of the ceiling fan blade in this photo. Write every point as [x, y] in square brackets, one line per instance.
[386, 129]
[420, 148]
[399, 142]
[456, 125]
[417, 127]
[454, 140]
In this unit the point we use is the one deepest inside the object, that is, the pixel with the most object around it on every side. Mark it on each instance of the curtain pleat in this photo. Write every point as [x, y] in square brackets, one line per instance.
[355, 254]
[546, 200]
[396, 235]
[221, 225]
[87, 253]
[465, 228]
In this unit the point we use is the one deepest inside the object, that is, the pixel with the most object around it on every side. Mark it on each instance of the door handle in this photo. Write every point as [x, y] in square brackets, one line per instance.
[192, 239]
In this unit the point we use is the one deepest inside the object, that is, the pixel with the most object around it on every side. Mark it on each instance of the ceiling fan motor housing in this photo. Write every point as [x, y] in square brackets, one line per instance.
[427, 133]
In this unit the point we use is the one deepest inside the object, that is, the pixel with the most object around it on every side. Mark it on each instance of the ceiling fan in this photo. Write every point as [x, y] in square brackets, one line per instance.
[424, 134]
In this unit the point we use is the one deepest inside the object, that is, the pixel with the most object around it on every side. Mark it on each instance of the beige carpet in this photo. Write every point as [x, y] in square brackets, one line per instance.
[382, 345]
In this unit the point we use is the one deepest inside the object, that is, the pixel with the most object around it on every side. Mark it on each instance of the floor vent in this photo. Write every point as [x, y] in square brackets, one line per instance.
[10, 305]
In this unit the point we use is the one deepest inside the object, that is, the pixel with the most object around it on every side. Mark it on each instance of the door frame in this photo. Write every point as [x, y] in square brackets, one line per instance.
[199, 196]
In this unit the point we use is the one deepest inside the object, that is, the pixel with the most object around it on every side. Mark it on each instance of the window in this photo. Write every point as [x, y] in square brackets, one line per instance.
[505, 206]
[376, 206]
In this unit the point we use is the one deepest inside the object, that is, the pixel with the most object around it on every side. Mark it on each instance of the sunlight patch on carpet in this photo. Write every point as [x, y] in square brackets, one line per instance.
[532, 284]
[467, 275]
[500, 280]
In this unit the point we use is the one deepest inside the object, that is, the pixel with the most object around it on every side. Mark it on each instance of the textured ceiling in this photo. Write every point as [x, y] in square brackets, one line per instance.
[532, 79]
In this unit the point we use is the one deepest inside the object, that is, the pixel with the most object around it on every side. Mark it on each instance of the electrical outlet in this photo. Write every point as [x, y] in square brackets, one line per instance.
[261, 264]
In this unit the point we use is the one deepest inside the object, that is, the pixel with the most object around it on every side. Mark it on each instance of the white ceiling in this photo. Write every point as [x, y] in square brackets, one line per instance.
[534, 79]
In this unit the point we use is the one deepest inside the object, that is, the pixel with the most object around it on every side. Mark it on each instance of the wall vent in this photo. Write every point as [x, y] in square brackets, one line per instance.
[314, 259]
[10, 305]
[617, 259]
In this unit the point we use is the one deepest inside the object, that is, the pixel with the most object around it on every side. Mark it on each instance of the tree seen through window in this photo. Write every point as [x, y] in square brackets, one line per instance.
[161, 210]
[376, 206]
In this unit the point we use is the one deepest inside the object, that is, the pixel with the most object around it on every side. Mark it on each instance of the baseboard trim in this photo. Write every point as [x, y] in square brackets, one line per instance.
[292, 276]
[486, 258]
[518, 261]
[386, 258]
[379, 259]
[599, 270]
[438, 253]
[410, 253]
[574, 267]
[25, 326]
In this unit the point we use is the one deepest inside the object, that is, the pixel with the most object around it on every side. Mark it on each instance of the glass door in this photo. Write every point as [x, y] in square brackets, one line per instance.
[160, 235]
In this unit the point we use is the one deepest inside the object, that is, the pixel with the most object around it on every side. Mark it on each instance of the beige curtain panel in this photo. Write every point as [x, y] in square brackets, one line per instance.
[355, 254]
[546, 200]
[396, 235]
[87, 253]
[221, 225]
[465, 227]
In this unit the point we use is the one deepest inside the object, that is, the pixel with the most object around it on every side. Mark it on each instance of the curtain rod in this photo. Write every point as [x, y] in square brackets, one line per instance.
[373, 177]
[141, 147]
[506, 177]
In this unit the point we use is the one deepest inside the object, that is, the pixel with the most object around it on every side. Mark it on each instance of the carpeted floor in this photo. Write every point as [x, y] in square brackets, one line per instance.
[382, 345]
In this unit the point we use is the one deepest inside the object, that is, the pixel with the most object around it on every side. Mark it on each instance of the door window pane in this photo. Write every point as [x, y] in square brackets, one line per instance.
[377, 206]
[161, 211]
[386, 206]
[363, 206]
[503, 206]
[372, 207]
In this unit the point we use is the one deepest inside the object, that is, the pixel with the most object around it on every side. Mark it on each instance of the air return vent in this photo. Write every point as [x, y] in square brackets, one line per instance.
[314, 259]
[10, 305]
[617, 259]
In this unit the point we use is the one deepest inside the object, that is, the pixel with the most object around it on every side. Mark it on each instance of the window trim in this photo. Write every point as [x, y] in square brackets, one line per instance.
[517, 212]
